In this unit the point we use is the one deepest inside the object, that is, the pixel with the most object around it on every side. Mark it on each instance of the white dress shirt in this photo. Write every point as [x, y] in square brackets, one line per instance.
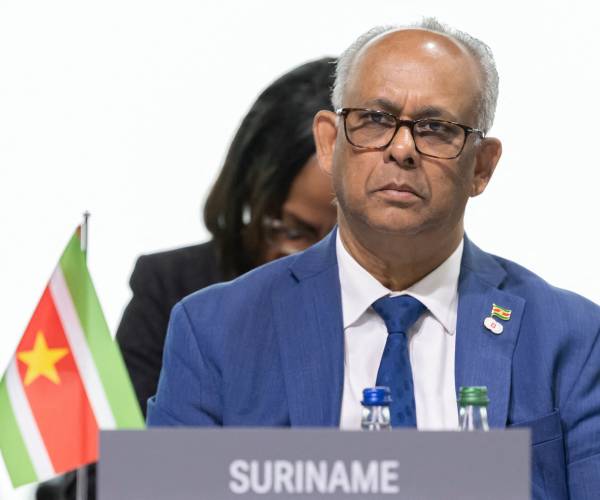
[431, 340]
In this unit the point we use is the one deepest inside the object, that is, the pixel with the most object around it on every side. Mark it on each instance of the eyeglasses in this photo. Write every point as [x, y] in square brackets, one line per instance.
[373, 129]
[288, 238]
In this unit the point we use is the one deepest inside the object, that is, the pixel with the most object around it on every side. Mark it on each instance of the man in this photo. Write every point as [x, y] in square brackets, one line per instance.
[295, 342]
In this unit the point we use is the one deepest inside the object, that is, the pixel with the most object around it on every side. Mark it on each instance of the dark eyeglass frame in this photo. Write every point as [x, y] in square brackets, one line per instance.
[272, 224]
[343, 112]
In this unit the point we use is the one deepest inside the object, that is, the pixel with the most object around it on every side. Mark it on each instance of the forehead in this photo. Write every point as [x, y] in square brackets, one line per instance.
[415, 68]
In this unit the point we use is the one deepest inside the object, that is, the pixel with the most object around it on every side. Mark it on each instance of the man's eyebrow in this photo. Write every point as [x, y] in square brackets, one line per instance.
[434, 112]
[425, 112]
[383, 105]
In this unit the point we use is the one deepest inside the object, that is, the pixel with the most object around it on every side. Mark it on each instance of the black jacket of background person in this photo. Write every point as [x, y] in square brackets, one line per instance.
[158, 282]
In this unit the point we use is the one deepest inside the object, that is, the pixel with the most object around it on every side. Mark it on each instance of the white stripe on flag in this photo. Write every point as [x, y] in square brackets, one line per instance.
[81, 351]
[36, 448]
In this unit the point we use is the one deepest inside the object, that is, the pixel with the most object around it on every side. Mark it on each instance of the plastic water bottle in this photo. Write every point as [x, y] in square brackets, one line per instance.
[376, 409]
[473, 402]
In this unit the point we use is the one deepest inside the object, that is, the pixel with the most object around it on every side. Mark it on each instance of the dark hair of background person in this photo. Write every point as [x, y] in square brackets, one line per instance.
[272, 144]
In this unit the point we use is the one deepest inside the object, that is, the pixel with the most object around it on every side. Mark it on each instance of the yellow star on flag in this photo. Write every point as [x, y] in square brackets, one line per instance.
[41, 360]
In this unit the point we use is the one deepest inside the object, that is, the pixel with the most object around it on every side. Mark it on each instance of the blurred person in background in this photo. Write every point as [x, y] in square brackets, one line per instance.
[270, 199]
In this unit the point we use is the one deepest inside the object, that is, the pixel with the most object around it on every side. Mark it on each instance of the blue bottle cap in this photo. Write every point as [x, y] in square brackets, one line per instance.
[376, 396]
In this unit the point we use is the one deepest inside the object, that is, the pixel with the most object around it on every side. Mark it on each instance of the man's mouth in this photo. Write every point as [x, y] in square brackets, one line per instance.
[400, 192]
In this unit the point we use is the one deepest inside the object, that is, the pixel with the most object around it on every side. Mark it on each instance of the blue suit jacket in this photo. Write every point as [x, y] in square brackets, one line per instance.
[267, 350]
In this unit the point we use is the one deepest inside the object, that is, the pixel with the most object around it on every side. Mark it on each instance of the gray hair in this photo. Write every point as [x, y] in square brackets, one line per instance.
[479, 50]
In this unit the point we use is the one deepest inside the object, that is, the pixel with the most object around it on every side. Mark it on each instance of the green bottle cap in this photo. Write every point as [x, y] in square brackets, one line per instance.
[474, 396]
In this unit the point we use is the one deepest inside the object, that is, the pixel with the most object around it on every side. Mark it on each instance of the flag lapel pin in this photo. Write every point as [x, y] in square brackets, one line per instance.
[500, 312]
[497, 312]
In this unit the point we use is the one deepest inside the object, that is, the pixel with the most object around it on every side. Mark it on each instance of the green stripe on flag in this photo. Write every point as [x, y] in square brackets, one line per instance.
[105, 352]
[12, 446]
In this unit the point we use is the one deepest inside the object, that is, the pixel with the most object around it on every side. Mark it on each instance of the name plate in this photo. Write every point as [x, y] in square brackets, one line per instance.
[227, 464]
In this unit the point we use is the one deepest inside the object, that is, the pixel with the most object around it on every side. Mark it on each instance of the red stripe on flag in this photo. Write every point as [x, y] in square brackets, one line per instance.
[62, 410]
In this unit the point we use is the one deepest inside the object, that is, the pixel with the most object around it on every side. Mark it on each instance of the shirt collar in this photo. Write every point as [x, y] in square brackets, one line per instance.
[438, 291]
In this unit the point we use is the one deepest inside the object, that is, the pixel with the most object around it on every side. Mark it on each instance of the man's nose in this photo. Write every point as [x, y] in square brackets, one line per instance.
[402, 149]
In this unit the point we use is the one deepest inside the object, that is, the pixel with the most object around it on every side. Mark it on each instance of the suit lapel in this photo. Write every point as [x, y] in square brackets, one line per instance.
[482, 357]
[308, 321]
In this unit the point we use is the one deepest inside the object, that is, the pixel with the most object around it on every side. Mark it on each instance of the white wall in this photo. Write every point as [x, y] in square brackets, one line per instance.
[125, 108]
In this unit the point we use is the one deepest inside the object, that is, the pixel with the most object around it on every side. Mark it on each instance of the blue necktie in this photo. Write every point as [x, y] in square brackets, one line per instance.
[399, 314]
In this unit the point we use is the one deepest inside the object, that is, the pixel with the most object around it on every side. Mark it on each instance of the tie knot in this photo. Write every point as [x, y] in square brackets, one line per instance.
[399, 313]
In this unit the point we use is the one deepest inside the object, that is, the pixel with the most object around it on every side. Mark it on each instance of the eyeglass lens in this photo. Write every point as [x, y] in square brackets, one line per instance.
[288, 237]
[373, 129]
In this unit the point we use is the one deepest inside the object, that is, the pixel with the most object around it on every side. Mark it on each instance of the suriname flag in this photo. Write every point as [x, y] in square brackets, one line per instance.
[66, 380]
[501, 312]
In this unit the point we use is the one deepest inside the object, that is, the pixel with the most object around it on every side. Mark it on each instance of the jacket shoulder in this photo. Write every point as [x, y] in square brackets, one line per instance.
[179, 272]
[246, 292]
[547, 297]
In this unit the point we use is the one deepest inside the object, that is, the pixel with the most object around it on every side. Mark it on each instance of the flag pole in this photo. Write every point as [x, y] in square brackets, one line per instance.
[84, 233]
[81, 481]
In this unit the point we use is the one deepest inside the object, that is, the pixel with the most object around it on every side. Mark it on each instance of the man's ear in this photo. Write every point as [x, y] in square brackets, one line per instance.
[486, 158]
[325, 133]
